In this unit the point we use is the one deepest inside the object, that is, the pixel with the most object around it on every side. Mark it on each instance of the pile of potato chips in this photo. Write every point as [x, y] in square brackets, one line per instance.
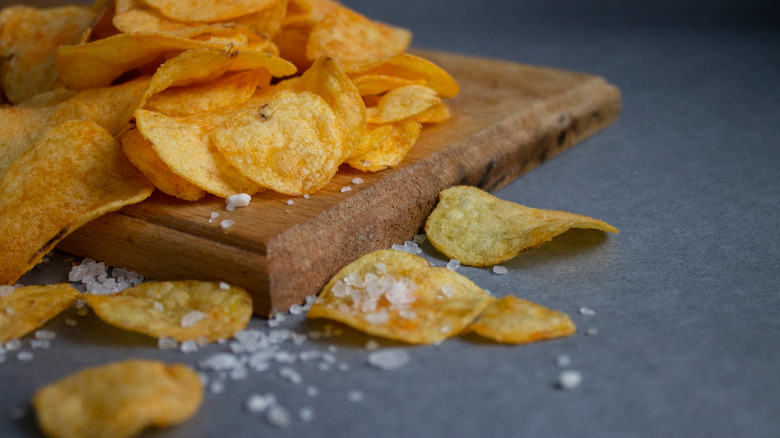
[194, 98]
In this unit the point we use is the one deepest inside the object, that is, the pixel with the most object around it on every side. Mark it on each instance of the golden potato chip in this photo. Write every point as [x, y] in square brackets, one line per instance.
[374, 84]
[139, 151]
[30, 307]
[118, 400]
[435, 114]
[184, 145]
[512, 320]
[349, 37]
[479, 229]
[28, 38]
[385, 145]
[182, 310]
[399, 296]
[265, 22]
[402, 103]
[74, 174]
[208, 10]
[412, 68]
[291, 41]
[291, 143]
[326, 79]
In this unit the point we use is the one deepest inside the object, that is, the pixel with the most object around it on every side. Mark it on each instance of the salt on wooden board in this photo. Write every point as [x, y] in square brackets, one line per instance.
[508, 119]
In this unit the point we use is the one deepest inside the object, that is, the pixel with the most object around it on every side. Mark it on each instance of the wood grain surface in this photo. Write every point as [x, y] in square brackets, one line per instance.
[508, 119]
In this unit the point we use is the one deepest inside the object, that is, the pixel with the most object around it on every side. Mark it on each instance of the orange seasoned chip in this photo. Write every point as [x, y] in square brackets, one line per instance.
[30, 307]
[402, 103]
[182, 310]
[139, 151]
[399, 296]
[385, 145]
[72, 175]
[208, 10]
[479, 229]
[375, 84]
[412, 68]
[512, 320]
[435, 114]
[118, 400]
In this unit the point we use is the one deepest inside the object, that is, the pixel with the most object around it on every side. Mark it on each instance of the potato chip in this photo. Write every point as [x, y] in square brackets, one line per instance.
[479, 229]
[208, 10]
[326, 79]
[265, 22]
[385, 146]
[182, 310]
[291, 41]
[349, 37]
[374, 84]
[291, 143]
[74, 174]
[28, 39]
[402, 103]
[139, 151]
[29, 308]
[512, 320]
[412, 68]
[435, 114]
[399, 296]
[118, 400]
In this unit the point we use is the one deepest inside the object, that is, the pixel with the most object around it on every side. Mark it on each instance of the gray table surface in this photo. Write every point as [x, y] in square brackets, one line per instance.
[686, 296]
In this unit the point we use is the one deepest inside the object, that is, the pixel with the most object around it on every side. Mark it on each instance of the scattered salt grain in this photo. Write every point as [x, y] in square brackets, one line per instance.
[223, 285]
[296, 309]
[447, 290]
[312, 391]
[70, 322]
[380, 317]
[188, 347]
[563, 360]
[357, 181]
[192, 318]
[587, 311]
[500, 270]
[355, 396]
[290, 375]
[6, 290]
[158, 306]
[45, 334]
[308, 355]
[306, 413]
[227, 223]
[234, 201]
[569, 379]
[346, 189]
[166, 343]
[306, 196]
[9, 311]
[259, 403]
[278, 416]
[40, 343]
[343, 366]
[372, 345]
[389, 358]
[217, 387]
[213, 216]
[453, 264]
[13, 345]
[593, 331]
[408, 246]
[290, 202]
[419, 238]
[25, 356]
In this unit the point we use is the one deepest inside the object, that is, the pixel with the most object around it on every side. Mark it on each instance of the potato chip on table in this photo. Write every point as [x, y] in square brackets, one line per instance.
[30, 307]
[402, 103]
[513, 320]
[118, 400]
[479, 229]
[182, 310]
[399, 296]
[385, 145]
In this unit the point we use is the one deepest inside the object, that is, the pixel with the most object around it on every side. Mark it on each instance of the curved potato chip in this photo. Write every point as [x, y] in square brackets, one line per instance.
[291, 41]
[402, 103]
[72, 175]
[375, 84]
[30, 307]
[385, 146]
[183, 144]
[266, 21]
[414, 68]
[139, 151]
[350, 37]
[118, 400]
[28, 38]
[182, 310]
[399, 296]
[435, 114]
[512, 320]
[479, 229]
[290, 144]
[208, 10]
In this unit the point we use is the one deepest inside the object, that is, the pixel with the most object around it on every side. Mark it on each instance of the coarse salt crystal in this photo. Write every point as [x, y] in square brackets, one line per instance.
[158, 306]
[563, 360]
[346, 189]
[223, 285]
[290, 202]
[25, 356]
[217, 387]
[357, 180]
[70, 322]
[278, 416]
[380, 317]
[355, 396]
[192, 318]
[167, 343]
[259, 402]
[389, 358]
[306, 196]
[234, 201]
[40, 343]
[593, 331]
[290, 375]
[45, 335]
[306, 413]
[213, 216]
[188, 347]
[569, 379]
[372, 345]
[227, 223]
[500, 270]
[13, 345]
[312, 391]
[447, 290]
[453, 264]
[587, 311]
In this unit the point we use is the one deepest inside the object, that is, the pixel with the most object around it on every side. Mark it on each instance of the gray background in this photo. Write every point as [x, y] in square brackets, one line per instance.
[686, 296]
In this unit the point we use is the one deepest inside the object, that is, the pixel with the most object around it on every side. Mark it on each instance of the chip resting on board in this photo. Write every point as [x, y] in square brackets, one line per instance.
[182, 310]
[415, 69]
[30, 307]
[208, 10]
[385, 145]
[479, 229]
[402, 103]
[399, 296]
[513, 320]
[118, 400]
[74, 174]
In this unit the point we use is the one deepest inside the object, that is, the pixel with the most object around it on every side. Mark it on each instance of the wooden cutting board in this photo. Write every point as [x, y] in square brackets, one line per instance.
[507, 120]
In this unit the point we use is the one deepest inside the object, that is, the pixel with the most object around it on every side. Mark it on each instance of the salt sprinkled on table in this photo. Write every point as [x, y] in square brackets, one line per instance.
[389, 358]
[239, 200]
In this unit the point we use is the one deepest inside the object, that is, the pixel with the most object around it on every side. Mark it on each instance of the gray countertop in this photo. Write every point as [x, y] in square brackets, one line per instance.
[686, 297]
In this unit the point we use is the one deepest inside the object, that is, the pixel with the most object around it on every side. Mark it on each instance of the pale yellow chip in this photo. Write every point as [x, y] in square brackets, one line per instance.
[385, 145]
[118, 400]
[411, 68]
[290, 143]
[399, 296]
[376, 84]
[182, 310]
[139, 151]
[402, 103]
[74, 174]
[479, 229]
[513, 320]
[208, 10]
[28, 38]
[29, 308]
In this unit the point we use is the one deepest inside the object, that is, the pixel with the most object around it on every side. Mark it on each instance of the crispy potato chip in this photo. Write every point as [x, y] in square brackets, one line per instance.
[182, 310]
[267, 21]
[402, 103]
[326, 79]
[118, 400]
[184, 145]
[291, 41]
[385, 146]
[512, 320]
[29, 308]
[375, 84]
[412, 68]
[208, 10]
[74, 174]
[28, 38]
[349, 37]
[139, 151]
[479, 229]
[399, 296]
[435, 114]
[290, 143]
